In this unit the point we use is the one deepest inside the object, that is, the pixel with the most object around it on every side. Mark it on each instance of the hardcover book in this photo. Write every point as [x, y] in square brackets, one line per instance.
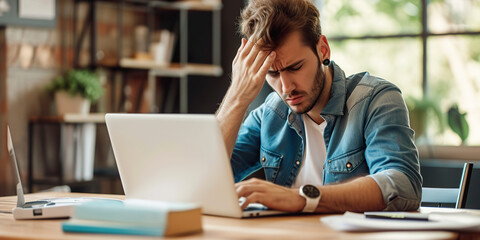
[135, 217]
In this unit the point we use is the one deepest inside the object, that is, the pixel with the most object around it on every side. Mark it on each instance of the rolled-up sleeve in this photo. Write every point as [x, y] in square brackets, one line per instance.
[397, 190]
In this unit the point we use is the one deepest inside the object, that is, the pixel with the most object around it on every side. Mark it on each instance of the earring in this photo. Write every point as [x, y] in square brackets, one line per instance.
[326, 62]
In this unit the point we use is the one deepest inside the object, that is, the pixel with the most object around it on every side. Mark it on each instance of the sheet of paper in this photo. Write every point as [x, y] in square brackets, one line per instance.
[438, 221]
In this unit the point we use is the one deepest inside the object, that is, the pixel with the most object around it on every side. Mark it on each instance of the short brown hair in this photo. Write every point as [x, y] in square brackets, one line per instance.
[269, 21]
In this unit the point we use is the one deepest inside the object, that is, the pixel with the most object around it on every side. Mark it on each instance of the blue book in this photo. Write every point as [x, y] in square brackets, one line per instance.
[135, 217]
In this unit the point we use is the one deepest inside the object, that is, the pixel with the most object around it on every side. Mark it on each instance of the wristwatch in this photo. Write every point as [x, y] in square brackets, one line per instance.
[312, 196]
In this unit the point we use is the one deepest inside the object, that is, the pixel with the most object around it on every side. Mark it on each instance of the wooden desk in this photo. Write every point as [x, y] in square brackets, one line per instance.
[281, 227]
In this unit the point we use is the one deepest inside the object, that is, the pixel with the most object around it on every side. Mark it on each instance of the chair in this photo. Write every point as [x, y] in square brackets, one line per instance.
[457, 196]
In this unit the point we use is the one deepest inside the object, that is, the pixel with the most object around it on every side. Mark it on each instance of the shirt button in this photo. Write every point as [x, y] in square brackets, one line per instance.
[349, 165]
[297, 162]
[263, 159]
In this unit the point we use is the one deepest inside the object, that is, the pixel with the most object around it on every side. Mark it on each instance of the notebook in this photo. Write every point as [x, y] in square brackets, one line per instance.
[176, 158]
[41, 209]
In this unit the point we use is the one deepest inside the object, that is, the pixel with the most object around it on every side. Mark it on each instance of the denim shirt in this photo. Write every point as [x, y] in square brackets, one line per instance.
[367, 133]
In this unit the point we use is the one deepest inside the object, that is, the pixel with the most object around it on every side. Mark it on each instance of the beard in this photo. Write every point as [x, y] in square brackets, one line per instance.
[312, 96]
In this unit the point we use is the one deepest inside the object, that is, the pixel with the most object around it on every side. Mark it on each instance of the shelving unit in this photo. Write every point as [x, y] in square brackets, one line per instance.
[180, 70]
[174, 70]
[87, 31]
[75, 120]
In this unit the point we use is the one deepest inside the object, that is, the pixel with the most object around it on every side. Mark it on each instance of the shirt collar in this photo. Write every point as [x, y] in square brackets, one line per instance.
[336, 103]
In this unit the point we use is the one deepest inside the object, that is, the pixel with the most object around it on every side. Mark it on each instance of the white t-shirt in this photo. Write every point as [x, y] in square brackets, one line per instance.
[311, 171]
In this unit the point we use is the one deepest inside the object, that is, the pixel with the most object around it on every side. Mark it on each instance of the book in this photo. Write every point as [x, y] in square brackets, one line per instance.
[78, 152]
[135, 217]
[162, 49]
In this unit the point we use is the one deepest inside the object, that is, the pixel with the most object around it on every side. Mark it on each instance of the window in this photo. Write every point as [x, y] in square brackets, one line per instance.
[430, 49]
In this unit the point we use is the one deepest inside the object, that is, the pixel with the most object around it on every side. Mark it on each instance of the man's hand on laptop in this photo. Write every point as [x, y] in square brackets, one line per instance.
[271, 195]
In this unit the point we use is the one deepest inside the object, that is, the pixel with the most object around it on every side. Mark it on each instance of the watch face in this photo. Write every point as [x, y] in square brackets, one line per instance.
[311, 191]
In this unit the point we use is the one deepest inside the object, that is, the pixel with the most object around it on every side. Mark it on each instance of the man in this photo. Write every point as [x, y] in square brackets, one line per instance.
[326, 142]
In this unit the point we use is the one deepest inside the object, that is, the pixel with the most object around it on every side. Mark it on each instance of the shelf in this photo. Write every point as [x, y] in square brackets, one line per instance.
[55, 181]
[99, 173]
[174, 69]
[196, 5]
[70, 118]
[210, 5]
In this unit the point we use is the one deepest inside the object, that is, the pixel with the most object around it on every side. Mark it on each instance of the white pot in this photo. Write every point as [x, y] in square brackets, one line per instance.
[67, 103]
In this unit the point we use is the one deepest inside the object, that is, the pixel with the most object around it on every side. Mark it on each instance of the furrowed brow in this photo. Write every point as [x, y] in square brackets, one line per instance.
[287, 67]
[292, 65]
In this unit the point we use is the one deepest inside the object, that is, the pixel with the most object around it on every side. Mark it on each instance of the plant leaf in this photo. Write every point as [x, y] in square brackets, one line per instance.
[458, 122]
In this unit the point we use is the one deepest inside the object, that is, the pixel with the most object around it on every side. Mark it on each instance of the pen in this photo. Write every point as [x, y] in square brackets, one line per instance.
[397, 216]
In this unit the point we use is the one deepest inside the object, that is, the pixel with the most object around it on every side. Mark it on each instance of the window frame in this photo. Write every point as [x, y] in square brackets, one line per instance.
[424, 35]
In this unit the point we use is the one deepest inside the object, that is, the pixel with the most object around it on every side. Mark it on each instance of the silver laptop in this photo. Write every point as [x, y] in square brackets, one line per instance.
[178, 158]
[41, 209]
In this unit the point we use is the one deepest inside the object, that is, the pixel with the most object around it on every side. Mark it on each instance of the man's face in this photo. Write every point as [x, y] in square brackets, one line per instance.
[296, 74]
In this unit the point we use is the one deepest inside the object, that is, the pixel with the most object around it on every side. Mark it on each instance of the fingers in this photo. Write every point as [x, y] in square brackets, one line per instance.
[253, 198]
[246, 50]
[257, 59]
[263, 62]
[269, 194]
[242, 45]
[252, 181]
[267, 63]
[247, 189]
[258, 191]
[246, 80]
[261, 57]
[253, 54]
[253, 190]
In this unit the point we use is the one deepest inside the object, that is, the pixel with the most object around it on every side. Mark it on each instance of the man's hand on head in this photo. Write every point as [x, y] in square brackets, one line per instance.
[249, 69]
[271, 195]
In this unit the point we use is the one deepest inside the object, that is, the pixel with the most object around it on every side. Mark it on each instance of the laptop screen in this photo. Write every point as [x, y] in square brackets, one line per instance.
[11, 153]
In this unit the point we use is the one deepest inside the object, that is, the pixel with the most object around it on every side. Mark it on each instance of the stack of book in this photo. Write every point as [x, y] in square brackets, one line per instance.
[135, 217]
[162, 49]
[79, 151]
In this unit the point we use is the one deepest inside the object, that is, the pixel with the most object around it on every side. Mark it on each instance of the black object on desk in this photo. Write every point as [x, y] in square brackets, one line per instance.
[398, 216]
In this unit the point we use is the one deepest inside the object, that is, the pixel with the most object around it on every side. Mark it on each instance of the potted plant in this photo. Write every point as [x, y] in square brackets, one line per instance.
[75, 91]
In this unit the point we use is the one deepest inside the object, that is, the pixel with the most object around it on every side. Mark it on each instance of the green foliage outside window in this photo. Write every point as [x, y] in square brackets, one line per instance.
[453, 61]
